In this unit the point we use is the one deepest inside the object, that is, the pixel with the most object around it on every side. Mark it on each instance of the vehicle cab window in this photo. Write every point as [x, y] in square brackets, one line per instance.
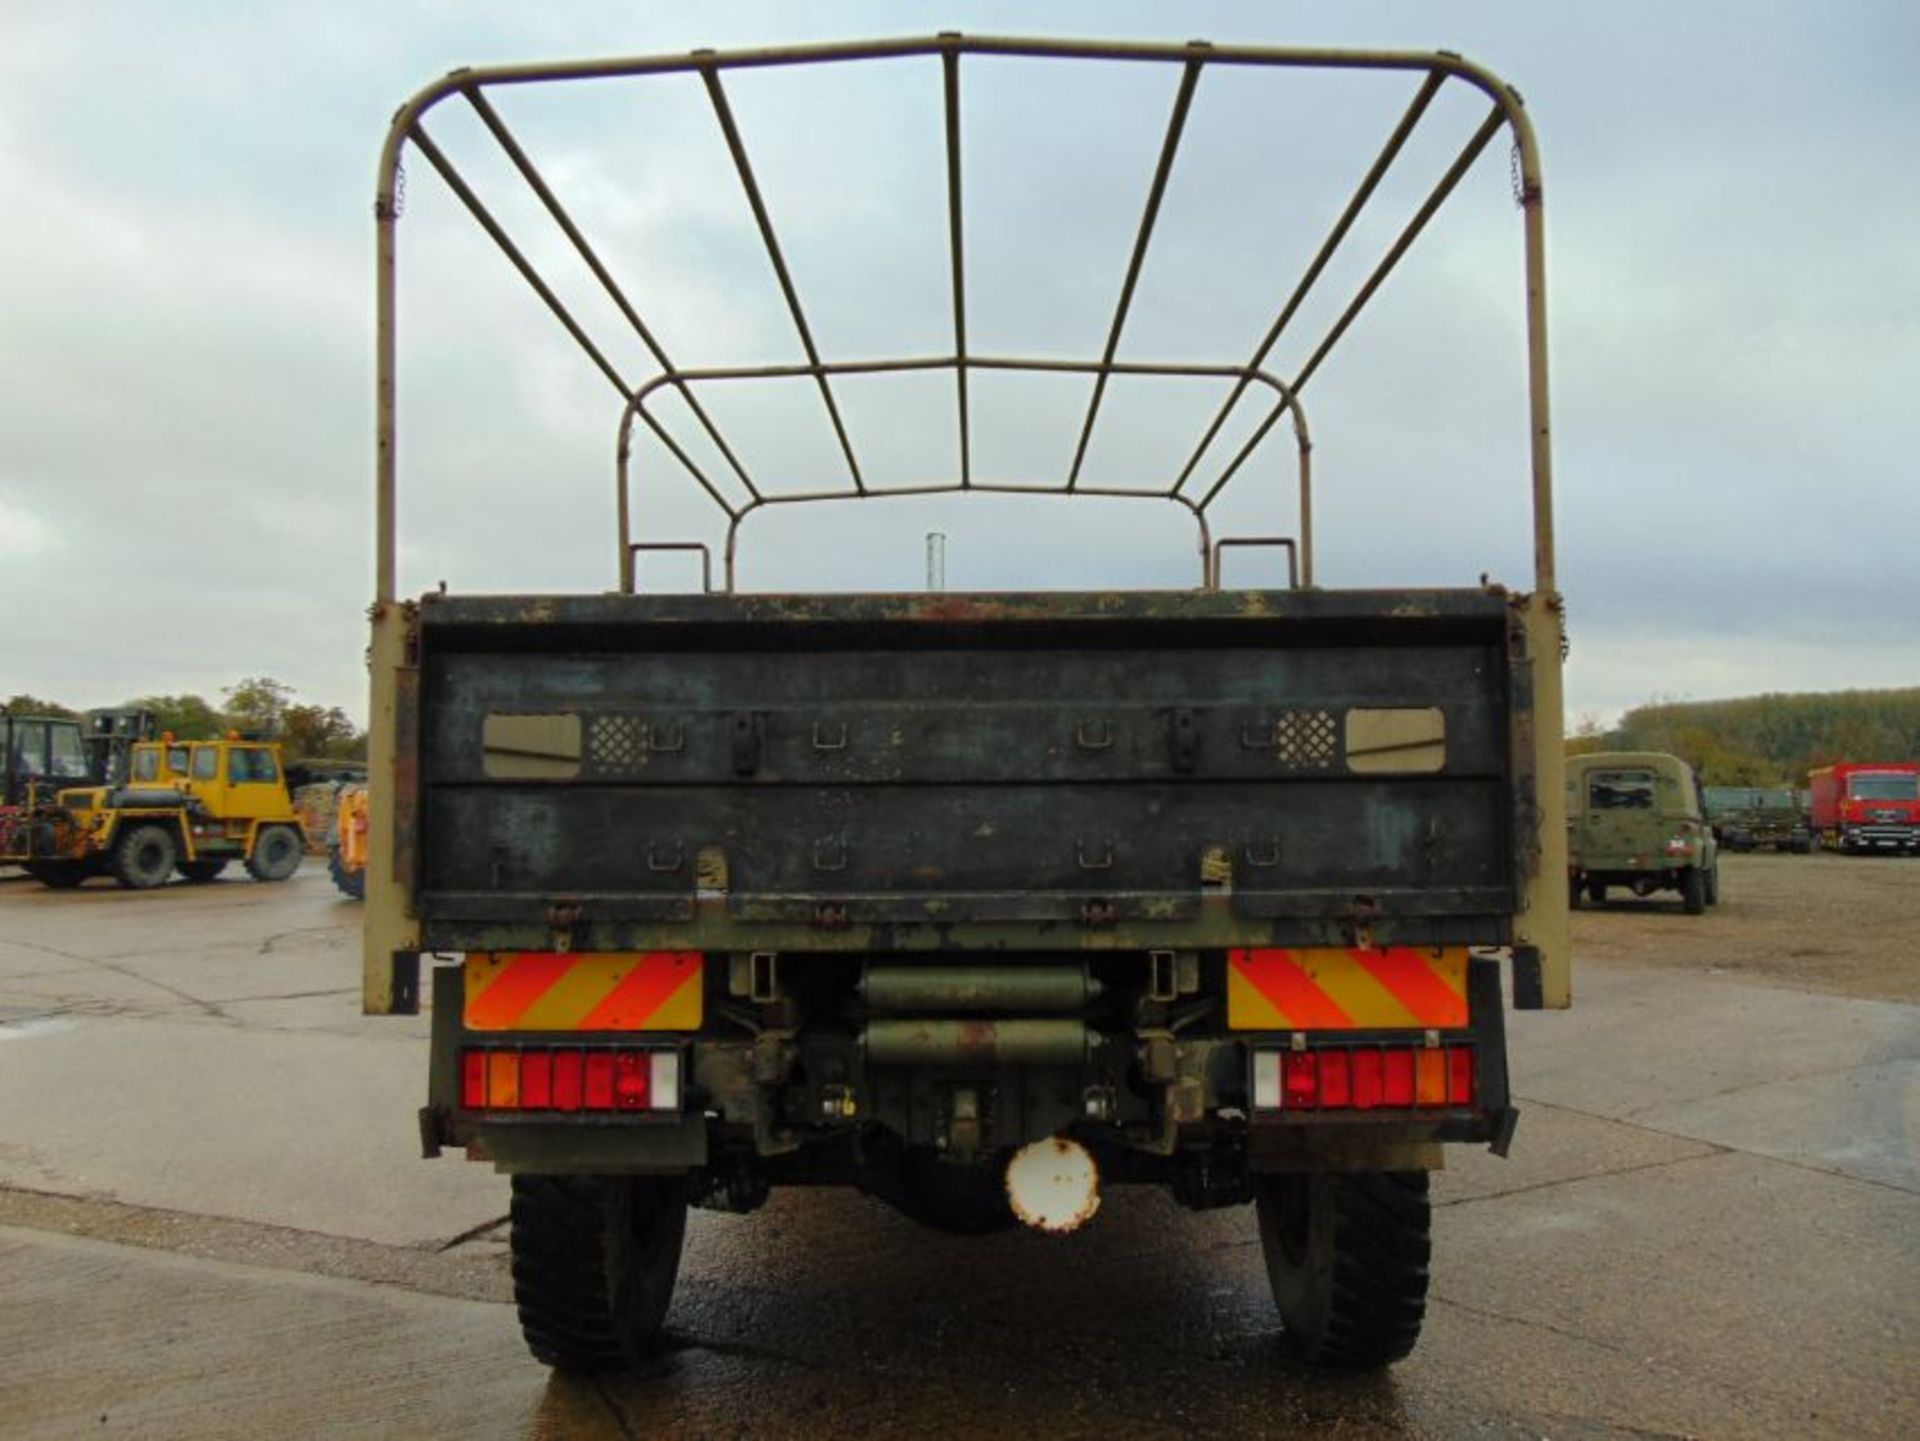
[1887, 786]
[67, 754]
[177, 760]
[146, 764]
[1620, 791]
[206, 763]
[251, 764]
[29, 756]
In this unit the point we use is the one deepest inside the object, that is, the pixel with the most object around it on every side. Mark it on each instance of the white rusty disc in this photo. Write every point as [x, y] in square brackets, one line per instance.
[1054, 1185]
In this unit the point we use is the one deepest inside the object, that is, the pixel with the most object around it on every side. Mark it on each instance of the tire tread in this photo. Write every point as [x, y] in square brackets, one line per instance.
[1383, 1245]
[564, 1285]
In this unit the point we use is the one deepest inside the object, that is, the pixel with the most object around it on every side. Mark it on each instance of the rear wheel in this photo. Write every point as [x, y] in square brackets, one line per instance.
[276, 853]
[58, 875]
[350, 883]
[207, 868]
[594, 1262]
[1597, 892]
[1347, 1257]
[144, 856]
[1713, 884]
[1693, 890]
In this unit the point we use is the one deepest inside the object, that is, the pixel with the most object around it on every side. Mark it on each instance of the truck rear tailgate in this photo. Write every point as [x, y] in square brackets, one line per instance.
[1012, 770]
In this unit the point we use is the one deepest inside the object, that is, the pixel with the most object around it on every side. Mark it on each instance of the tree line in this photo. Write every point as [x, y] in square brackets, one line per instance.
[257, 705]
[1770, 739]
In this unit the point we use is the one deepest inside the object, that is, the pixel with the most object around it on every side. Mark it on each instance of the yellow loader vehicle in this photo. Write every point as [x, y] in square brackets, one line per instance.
[186, 806]
[347, 845]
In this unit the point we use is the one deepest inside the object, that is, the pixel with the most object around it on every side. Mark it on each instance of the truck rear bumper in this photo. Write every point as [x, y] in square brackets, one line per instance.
[831, 1104]
[1885, 836]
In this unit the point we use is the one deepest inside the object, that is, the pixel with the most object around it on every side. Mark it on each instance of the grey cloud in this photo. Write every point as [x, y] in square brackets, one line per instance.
[186, 372]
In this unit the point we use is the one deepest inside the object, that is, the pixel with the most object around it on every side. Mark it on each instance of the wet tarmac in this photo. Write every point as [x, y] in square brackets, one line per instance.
[213, 1223]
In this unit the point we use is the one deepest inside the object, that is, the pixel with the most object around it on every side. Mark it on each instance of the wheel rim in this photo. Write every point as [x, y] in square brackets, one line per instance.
[277, 851]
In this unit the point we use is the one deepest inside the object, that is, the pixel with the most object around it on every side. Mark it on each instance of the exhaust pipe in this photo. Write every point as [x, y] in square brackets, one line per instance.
[1054, 1185]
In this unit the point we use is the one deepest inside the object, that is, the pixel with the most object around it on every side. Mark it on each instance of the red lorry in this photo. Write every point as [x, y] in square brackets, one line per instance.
[1867, 805]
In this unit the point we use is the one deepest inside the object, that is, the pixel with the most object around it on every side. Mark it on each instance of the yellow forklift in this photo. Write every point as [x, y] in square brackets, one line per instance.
[190, 807]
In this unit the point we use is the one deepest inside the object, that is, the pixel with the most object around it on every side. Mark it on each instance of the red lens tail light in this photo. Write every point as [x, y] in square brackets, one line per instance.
[569, 1079]
[1368, 1086]
[600, 1081]
[568, 1091]
[473, 1079]
[536, 1080]
[1336, 1080]
[1365, 1078]
[631, 1075]
[1459, 1076]
[1397, 1078]
[1302, 1080]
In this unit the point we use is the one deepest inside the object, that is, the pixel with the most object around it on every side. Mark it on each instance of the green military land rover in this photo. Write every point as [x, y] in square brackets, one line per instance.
[1638, 819]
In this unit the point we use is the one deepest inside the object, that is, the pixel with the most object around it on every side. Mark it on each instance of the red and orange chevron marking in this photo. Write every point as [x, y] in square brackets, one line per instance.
[1335, 988]
[590, 991]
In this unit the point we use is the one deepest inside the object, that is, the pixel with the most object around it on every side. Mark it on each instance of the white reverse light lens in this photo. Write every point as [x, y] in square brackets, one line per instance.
[1266, 1080]
[663, 1088]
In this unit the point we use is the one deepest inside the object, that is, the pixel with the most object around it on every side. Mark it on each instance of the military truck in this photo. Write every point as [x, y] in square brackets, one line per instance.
[1745, 818]
[979, 902]
[1638, 819]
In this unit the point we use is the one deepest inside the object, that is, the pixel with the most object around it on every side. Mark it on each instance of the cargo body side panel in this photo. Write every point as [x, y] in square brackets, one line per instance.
[948, 772]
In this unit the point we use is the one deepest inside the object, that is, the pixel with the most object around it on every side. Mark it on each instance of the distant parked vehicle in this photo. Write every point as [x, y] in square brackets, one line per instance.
[347, 843]
[1745, 818]
[1638, 819]
[187, 806]
[110, 735]
[39, 753]
[1867, 805]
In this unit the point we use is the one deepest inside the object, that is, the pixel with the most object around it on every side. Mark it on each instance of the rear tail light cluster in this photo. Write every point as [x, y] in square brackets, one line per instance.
[1363, 1078]
[567, 1078]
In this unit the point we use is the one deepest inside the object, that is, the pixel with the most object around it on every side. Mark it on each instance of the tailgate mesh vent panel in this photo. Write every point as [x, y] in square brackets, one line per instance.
[1306, 739]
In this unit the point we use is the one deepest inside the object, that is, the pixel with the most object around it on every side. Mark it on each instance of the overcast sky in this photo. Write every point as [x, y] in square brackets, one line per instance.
[186, 322]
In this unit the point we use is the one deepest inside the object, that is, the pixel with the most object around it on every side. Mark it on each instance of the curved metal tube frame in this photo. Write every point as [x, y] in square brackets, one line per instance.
[636, 409]
[1435, 68]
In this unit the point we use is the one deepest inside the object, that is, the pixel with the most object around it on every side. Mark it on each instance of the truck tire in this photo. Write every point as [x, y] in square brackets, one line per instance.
[594, 1262]
[1713, 884]
[207, 868]
[1693, 890]
[144, 856]
[58, 875]
[352, 884]
[1597, 892]
[1347, 1257]
[276, 853]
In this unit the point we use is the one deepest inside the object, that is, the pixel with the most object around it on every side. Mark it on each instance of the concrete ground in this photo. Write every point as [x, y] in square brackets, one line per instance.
[213, 1224]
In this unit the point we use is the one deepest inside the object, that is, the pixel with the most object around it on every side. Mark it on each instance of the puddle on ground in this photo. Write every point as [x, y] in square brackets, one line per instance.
[18, 1025]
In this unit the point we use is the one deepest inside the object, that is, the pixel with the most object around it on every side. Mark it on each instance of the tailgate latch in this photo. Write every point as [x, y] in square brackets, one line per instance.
[1183, 740]
[743, 732]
